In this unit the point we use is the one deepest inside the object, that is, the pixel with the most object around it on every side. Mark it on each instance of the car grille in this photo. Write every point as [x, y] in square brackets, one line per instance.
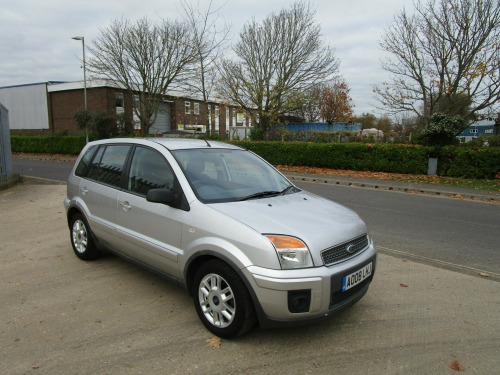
[339, 253]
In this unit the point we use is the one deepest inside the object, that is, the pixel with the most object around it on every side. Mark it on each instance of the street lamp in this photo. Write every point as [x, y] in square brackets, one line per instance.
[84, 82]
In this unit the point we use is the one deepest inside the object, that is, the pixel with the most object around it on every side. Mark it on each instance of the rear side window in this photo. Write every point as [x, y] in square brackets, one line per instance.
[149, 170]
[85, 161]
[107, 166]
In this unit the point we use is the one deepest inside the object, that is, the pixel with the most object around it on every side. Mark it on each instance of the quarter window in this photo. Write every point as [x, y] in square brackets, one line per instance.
[149, 170]
[107, 166]
[85, 161]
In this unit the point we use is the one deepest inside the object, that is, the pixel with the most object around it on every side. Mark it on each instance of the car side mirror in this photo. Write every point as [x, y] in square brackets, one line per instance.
[164, 196]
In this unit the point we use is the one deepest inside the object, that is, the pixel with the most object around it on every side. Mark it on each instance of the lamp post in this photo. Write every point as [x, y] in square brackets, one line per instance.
[84, 82]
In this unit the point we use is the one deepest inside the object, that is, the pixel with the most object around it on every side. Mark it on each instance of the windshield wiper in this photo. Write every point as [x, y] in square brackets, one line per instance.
[287, 189]
[262, 194]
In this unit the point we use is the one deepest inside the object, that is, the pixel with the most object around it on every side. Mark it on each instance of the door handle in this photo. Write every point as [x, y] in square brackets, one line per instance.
[125, 205]
[84, 190]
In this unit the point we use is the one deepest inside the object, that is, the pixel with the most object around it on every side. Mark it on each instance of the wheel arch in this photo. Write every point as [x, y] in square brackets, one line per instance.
[196, 260]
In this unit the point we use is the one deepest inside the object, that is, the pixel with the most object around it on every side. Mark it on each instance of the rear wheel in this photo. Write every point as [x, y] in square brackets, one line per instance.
[222, 301]
[81, 238]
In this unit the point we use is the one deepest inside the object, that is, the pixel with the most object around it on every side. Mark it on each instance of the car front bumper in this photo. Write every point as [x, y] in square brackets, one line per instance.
[273, 289]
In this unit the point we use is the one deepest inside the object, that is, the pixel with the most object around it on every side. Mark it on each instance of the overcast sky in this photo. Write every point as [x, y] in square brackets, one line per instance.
[36, 44]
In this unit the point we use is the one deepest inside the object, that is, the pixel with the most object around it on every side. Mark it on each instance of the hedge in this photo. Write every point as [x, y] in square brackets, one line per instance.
[464, 162]
[47, 144]
[353, 156]
[469, 162]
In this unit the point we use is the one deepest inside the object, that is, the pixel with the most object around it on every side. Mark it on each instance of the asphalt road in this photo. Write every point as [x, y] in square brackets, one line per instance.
[456, 234]
[53, 170]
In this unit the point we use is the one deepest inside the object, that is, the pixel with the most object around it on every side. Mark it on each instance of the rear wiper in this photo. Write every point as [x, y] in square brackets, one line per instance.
[262, 194]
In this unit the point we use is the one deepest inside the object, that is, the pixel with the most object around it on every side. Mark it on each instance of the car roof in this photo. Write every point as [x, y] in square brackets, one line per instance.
[174, 143]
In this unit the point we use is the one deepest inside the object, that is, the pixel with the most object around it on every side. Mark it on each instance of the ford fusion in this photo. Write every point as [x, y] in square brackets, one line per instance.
[248, 245]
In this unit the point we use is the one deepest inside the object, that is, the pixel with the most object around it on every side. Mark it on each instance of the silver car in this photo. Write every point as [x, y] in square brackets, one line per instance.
[246, 243]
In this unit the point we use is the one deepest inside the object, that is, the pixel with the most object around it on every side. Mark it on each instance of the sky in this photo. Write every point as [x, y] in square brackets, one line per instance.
[36, 44]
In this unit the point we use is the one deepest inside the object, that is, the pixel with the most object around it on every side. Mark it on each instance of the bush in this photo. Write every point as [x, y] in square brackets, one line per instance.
[103, 125]
[442, 130]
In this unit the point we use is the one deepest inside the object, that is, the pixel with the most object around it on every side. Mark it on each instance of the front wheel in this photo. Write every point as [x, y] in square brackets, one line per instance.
[222, 301]
[81, 238]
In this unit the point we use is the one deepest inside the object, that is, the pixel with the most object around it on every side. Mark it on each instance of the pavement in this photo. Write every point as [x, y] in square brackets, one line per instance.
[61, 315]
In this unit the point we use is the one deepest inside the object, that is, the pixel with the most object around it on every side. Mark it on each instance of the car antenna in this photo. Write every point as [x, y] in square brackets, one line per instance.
[208, 144]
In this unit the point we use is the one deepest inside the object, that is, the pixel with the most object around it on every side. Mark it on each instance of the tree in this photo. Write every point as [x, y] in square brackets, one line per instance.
[384, 123]
[444, 58]
[367, 120]
[103, 125]
[145, 59]
[307, 104]
[335, 103]
[276, 60]
[208, 43]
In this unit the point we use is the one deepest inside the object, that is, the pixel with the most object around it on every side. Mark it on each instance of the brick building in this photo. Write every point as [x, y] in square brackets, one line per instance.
[49, 108]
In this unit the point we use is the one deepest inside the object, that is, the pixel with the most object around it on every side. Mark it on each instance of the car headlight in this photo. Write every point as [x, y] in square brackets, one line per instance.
[292, 252]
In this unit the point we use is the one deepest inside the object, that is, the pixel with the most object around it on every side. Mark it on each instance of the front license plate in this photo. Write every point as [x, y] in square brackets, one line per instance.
[356, 277]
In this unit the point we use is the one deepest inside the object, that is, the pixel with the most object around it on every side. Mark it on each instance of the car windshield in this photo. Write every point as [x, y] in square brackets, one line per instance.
[224, 175]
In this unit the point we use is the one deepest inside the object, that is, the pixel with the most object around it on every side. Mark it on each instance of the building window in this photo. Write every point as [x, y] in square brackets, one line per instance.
[473, 131]
[187, 106]
[209, 111]
[228, 119]
[119, 103]
[196, 108]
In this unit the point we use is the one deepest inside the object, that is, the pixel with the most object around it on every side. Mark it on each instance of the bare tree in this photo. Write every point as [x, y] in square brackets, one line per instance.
[145, 59]
[444, 58]
[208, 43]
[276, 59]
[307, 104]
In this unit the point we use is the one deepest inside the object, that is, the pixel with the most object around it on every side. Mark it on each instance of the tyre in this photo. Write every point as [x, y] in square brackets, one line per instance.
[222, 301]
[81, 238]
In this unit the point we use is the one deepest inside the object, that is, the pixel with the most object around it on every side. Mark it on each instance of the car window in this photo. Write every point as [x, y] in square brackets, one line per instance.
[107, 166]
[149, 170]
[85, 161]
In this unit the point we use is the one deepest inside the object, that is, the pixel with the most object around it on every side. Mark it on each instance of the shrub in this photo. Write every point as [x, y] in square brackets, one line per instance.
[442, 130]
[103, 125]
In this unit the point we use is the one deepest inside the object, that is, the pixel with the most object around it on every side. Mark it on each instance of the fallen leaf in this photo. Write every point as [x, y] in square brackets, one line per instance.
[484, 274]
[403, 285]
[213, 342]
[457, 366]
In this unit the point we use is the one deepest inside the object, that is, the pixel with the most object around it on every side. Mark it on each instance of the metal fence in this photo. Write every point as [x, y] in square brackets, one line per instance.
[5, 154]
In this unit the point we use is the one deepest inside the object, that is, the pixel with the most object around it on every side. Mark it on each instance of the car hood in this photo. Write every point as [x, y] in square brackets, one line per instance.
[319, 222]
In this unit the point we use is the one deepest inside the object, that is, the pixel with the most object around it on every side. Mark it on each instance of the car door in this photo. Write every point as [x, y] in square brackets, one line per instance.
[100, 187]
[149, 232]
